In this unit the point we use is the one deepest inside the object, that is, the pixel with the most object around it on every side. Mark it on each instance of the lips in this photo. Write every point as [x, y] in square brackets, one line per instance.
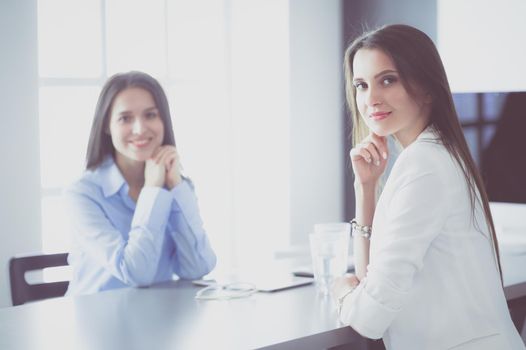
[141, 143]
[379, 115]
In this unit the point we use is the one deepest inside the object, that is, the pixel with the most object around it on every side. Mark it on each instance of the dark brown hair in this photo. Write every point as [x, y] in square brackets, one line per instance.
[100, 145]
[420, 67]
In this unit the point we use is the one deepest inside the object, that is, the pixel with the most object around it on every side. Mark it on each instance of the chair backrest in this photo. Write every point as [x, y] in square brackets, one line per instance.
[22, 291]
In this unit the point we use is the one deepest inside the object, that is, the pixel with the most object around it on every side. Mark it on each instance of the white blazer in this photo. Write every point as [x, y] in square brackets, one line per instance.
[432, 281]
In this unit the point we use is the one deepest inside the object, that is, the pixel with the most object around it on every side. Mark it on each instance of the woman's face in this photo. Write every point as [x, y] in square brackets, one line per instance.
[135, 125]
[382, 100]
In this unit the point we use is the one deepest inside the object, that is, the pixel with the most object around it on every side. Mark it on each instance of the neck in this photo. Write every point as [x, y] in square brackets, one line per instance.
[407, 136]
[132, 171]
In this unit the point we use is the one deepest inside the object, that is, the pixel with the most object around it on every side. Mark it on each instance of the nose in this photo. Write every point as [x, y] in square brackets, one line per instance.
[373, 97]
[137, 126]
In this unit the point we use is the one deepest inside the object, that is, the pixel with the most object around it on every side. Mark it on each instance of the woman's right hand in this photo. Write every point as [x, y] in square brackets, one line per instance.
[154, 171]
[369, 159]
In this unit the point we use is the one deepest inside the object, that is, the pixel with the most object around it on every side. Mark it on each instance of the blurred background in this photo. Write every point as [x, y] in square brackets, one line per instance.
[257, 101]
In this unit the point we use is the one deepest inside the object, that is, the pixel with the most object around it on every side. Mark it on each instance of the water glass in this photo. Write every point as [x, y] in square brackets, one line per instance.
[329, 250]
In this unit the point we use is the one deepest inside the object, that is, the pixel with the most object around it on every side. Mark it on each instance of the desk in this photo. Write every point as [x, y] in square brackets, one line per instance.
[167, 316]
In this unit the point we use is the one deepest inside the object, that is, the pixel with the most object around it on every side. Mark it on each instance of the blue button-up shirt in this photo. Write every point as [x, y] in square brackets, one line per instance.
[118, 243]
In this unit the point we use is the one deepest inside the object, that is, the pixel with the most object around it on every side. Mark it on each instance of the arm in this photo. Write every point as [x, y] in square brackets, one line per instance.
[414, 217]
[369, 160]
[365, 207]
[133, 260]
[193, 256]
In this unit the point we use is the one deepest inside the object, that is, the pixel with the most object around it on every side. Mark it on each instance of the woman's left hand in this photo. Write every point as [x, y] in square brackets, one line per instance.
[342, 285]
[170, 158]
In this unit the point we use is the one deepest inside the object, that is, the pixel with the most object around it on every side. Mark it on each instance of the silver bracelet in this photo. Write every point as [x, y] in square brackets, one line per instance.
[362, 230]
[341, 300]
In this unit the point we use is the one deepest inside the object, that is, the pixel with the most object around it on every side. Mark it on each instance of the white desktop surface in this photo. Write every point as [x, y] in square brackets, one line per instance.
[167, 316]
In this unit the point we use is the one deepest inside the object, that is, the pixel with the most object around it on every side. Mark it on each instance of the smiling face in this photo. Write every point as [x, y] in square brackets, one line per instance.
[382, 100]
[135, 126]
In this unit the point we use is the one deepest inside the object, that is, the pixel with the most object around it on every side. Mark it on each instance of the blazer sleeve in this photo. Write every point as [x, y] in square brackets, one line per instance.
[133, 260]
[193, 257]
[414, 216]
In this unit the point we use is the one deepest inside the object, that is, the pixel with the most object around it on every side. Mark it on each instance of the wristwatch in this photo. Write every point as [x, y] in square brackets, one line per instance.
[362, 230]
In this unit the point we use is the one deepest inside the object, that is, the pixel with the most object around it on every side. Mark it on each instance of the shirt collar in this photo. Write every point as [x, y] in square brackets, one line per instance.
[429, 134]
[111, 179]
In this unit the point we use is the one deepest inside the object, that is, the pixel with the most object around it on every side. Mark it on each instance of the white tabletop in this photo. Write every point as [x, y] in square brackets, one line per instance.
[167, 316]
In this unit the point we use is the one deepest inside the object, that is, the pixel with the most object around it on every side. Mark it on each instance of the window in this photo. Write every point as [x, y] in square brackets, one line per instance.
[83, 42]
[479, 114]
[215, 84]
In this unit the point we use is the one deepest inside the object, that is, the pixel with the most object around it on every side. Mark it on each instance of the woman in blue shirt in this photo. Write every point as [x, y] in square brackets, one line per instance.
[134, 217]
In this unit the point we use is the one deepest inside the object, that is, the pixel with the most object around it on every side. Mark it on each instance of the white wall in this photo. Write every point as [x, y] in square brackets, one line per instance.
[316, 116]
[482, 44]
[259, 139]
[19, 140]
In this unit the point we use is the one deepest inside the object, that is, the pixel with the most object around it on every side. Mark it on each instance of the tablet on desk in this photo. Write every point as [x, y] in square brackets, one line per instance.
[306, 271]
[270, 283]
[281, 282]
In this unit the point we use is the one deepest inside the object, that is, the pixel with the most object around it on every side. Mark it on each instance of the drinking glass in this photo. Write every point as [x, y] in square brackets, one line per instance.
[329, 251]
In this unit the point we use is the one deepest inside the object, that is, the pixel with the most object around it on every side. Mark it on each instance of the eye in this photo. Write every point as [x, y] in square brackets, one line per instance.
[360, 85]
[151, 115]
[388, 80]
[124, 119]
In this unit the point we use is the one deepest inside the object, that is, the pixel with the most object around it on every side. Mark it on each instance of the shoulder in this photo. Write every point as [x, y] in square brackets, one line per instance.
[103, 181]
[88, 184]
[424, 156]
[427, 159]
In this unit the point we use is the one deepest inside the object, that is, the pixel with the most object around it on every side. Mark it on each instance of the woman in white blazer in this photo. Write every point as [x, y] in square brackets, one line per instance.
[427, 264]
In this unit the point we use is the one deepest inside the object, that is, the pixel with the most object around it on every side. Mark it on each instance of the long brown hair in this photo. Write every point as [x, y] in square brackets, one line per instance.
[417, 61]
[100, 145]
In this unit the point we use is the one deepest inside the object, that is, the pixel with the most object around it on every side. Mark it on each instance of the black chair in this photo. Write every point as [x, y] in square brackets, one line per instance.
[22, 291]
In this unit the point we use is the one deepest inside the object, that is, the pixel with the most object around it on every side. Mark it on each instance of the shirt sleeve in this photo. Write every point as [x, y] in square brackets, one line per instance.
[134, 260]
[414, 217]
[193, 257]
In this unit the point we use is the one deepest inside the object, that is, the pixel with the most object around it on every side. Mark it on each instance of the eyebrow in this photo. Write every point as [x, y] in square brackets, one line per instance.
[379, 74]
[146, 110]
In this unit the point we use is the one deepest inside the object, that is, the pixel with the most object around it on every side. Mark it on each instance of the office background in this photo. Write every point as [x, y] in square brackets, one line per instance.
[276, 161]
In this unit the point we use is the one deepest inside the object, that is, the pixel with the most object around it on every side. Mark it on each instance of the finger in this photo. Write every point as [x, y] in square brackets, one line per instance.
[360, 152]
[371, 147]
[160, 154]
[381, 144]
[167, 148]
[168, 156]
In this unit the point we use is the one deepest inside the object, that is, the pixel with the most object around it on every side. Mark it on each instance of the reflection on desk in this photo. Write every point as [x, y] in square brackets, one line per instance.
[167, 316]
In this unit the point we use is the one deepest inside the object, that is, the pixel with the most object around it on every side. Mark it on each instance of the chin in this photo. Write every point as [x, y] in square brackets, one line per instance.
[380, 131]
[139, 156]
